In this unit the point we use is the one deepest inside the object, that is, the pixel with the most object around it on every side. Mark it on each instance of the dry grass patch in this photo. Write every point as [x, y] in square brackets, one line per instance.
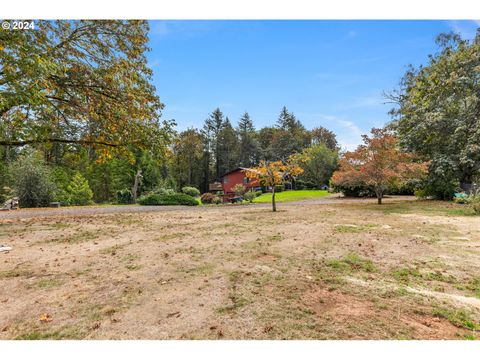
[348, 270]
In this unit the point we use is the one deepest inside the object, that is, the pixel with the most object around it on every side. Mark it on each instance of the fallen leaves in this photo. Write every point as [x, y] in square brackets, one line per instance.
[45, 318]
[176, 314]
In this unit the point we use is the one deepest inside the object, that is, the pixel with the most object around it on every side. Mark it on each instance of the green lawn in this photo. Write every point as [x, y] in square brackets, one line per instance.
[291, 195]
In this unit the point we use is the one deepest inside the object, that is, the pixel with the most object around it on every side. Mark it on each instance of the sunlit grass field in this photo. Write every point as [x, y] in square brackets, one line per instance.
[291, 195]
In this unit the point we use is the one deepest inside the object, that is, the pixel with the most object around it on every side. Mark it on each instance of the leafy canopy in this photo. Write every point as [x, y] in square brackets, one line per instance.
[378, 163]
[437, 110]
[83, 82]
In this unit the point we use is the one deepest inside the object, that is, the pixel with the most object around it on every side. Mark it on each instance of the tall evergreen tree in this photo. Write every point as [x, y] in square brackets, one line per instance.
[249, 147]
[228, 148]
[291, 136]
[265, 138]
[211, 130]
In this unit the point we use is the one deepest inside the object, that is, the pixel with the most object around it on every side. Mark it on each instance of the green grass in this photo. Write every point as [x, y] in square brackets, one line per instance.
[291, 195]
[423, 207]
[352, 262]
[458, 317]
[354, 228]
[49, 283]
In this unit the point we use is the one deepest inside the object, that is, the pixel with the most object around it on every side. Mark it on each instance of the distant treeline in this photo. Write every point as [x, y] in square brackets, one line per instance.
[80, 120]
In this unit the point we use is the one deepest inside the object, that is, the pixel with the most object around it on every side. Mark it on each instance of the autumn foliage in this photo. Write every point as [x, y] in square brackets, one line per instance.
[378, 163]
[275, 173]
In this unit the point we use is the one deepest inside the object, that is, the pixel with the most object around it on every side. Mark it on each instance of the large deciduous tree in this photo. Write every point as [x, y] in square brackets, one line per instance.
[321, 135]
[187, 157]
[378, 163]
[438, 113]
[79, 82]
[318, 163]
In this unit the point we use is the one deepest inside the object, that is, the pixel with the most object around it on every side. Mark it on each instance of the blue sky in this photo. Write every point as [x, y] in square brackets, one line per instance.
[329, 73]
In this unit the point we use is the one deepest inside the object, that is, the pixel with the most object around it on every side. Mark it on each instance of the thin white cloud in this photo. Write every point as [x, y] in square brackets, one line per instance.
[363, 102]
[352, 34]
[466, 29]
[160, 28]
[349, 134]
[350, 125]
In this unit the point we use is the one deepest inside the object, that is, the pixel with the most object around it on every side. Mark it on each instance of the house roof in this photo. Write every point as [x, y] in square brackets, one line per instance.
[237, 169]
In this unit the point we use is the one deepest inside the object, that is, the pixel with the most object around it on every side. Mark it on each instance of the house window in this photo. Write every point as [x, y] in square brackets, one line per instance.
[246, 180]
[225, 180]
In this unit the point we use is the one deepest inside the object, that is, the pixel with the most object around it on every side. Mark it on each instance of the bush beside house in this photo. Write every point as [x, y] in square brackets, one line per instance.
[190, 190]
[209, 198]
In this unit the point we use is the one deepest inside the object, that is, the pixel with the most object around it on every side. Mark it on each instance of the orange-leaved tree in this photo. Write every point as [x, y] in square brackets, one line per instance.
[378, 163]
[271, 173]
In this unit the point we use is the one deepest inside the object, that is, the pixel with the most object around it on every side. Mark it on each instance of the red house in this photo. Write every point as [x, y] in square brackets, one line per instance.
[234, 177]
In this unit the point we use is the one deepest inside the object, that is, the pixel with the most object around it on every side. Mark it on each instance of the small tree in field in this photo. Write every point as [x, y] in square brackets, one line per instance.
[378, 163]
[79, 191]
[274, 173]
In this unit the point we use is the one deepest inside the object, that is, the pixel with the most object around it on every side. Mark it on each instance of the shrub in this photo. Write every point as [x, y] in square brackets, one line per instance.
[475, 205]
[149, 199]
[6, 193]
[440, 189]
[62, 196]
[79, 192]
[190, 190]
[168, 199]
[239, 189]
[32, 181]
[207, 198]
[473, 200]
[279, 188]
[354, 189]
[300, 185]
[407, 188]
[420, 193]
[249, 196]
[461, 198]
[258, 193]
[164, 191]
[124, 196]
[305, 185]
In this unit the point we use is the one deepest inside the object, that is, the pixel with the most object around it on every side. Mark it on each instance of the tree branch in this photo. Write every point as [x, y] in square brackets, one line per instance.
[55, 140]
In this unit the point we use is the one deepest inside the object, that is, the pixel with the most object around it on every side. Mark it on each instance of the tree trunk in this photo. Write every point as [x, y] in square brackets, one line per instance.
[379, 193]
[135, 185]
[190, 161]
[274, 205]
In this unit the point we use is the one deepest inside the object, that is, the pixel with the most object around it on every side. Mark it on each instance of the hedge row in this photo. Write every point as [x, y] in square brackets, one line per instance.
[168, 199]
